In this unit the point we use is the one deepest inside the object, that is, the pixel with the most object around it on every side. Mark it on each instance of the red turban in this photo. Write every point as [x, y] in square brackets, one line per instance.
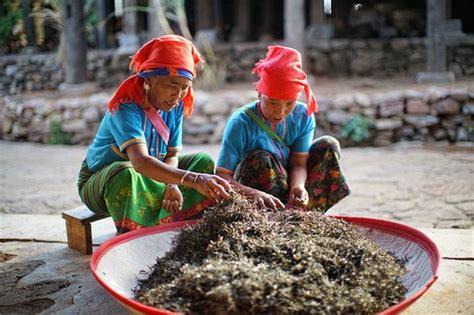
[282, 77]
[165, 55]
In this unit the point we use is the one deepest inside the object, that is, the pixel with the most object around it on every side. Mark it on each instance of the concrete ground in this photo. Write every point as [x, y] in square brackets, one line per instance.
[428, 187]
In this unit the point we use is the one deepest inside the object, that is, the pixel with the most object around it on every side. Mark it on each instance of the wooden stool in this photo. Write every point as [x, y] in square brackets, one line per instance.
[78, 228]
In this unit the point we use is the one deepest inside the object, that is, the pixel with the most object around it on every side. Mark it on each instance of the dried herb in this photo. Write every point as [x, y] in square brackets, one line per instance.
[241, 259]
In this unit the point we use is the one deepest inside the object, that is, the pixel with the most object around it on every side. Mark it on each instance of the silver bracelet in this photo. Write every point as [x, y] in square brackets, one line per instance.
[184, 177]
[196, 178]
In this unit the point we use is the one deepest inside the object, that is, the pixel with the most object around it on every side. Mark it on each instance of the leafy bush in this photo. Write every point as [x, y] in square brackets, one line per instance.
[8, 22]
[357, 129]
[57, 135]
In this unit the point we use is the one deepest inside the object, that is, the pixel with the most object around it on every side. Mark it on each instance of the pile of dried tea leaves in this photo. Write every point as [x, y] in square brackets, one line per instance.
[242, 260]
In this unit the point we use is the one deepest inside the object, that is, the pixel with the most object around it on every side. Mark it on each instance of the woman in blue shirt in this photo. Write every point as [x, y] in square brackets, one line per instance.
[268, 152]
[132, 170]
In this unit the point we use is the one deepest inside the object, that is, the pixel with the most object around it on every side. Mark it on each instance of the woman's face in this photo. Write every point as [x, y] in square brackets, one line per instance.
[166, 92]
[276, 110]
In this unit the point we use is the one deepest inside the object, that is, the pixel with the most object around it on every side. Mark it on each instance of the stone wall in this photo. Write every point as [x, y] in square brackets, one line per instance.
[371, 57]
[436, 114]
[38, 72]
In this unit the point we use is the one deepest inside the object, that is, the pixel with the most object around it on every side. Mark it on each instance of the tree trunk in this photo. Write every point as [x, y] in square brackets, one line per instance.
[75, 47]
[28, 22]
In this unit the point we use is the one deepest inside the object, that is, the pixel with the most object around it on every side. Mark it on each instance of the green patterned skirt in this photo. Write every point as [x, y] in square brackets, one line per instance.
[134, 200]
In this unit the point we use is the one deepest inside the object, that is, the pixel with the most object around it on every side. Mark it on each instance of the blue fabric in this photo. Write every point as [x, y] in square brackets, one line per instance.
[242, 135]
[129, 125]
[165, 72]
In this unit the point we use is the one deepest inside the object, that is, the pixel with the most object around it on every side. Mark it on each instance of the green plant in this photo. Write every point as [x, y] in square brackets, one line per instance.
[357, 129]
[9, 22]
[57, 135]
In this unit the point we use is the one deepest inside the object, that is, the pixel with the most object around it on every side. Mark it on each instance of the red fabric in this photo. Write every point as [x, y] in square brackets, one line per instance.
[169, 51]
[282, 77]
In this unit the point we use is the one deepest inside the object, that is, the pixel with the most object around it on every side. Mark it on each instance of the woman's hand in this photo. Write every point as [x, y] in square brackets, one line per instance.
[298, 197]
[264, 199]
[172, 199]
[212, 186]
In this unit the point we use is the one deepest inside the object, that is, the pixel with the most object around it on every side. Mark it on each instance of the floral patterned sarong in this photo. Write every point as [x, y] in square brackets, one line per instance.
[326, 185]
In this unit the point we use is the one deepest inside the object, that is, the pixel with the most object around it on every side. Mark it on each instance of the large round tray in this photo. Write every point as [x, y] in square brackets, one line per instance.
[119, 262]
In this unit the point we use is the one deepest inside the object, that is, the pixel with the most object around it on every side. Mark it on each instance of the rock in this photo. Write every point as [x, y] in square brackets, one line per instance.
[74, 126]
[468, 109]
[355, 110]
[68, 114]
[388, 124]
[344, 101]
[321, 64]
[199, 130]
[195, 139]
[462, 135]
[338, 62]
[446, 106]
[434, 94]
[197, 119]
[19, 131]
[338, 117]
[90, 114]
[362, 65]
[439, 134]
[363, 100]
[214, 119]
[324, 104]
[369, 112]
[7, 125]
[399, 44]
[407, 132]
[421, 121]
[200, 98]
[460, 95]
[27, 114]
[417, 106]
[99, 99]
[383, 138]
[216, 137]
[215, 106]
[392, 108]
[389, 97]
[11, 70]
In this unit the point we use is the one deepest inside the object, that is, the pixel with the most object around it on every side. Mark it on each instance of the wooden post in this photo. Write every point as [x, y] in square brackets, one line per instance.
[75, 49]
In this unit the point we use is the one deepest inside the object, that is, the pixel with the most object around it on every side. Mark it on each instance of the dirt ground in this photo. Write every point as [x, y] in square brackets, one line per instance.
[425, 186]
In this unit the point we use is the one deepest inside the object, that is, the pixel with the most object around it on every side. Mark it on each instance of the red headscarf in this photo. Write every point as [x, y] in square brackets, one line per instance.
[171, 52]
[282, 77]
